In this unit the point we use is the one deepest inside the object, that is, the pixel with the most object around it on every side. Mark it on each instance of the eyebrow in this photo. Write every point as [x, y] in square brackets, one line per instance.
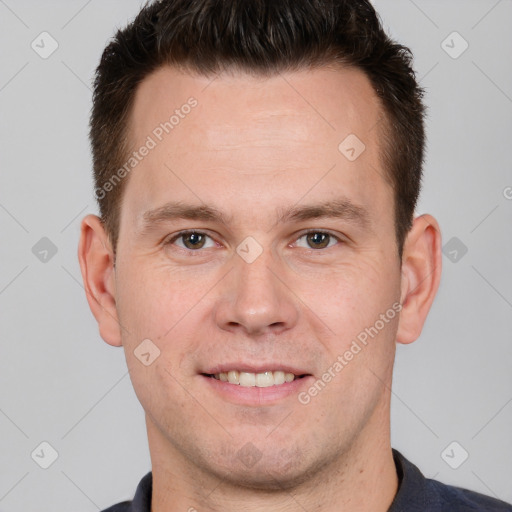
[337, 209]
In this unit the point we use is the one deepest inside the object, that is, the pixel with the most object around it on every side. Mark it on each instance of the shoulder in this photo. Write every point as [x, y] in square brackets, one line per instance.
[459, 499]
[141, 501]
[119, 507]
[417, 494]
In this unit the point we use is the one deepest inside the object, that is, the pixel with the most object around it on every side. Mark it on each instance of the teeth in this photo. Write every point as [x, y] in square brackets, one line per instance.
[232, 377]
[279, 378]
[247, 379]
[260, 380]
[288, 377]
[263, 380]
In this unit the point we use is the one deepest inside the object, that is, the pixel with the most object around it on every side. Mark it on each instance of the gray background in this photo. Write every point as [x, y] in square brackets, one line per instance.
[60, 383]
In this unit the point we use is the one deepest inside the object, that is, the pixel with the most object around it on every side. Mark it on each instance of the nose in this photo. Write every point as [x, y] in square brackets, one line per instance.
[255, 298]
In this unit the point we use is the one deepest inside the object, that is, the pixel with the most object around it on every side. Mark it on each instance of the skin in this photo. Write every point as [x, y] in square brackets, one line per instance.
[251, 146]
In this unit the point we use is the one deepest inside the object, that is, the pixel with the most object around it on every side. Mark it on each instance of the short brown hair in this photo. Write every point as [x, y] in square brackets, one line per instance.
[262, 37]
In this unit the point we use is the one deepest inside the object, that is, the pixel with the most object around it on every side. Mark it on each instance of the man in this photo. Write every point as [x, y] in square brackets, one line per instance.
[257, 165]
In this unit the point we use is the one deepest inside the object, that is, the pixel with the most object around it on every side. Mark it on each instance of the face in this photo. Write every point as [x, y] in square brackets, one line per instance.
[289, 257]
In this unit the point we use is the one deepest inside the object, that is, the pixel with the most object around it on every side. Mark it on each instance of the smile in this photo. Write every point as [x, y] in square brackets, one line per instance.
[260, 380]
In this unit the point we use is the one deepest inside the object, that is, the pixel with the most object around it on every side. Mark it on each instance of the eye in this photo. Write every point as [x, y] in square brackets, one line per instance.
[192, 240]
[319, 239]
[195, 240]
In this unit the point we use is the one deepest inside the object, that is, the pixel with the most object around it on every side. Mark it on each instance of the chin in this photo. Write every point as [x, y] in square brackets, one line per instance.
[272, 471]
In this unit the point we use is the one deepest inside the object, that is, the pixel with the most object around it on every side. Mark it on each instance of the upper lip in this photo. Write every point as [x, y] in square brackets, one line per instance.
[250, 368]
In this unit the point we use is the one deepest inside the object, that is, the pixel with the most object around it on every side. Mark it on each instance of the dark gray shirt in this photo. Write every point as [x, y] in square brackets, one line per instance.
[415, 494]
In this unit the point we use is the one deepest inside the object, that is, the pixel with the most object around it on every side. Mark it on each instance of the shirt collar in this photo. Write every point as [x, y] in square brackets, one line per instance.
[412, 490]
[142, 499]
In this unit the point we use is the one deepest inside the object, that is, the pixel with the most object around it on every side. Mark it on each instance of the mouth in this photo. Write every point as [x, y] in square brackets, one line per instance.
[265, 384]
[263, 379]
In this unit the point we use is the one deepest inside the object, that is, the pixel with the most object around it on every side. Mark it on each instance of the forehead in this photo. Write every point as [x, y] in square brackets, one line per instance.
[242, 131]
[329, 98]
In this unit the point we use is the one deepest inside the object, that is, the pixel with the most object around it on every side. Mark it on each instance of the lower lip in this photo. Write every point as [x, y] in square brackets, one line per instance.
[254, 395]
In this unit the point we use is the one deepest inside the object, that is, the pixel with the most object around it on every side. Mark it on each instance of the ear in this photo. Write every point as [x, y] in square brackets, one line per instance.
[421, 274]
[97, 265]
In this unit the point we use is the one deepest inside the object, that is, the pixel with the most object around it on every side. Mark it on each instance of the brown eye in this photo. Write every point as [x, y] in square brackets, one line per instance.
[317, 240]
[191, 240]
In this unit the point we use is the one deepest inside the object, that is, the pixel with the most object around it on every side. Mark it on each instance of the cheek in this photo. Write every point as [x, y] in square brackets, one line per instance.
[159, 384]
[351, 296]
[153, 299]
[161, 305]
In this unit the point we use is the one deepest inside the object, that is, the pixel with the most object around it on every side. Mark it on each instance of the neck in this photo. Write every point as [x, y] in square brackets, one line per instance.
[362, 479]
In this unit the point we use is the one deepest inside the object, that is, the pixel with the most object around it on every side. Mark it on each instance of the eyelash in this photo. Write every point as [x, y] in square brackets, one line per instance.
[181, 234]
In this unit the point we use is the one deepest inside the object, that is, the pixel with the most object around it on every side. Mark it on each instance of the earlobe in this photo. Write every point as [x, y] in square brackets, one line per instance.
[97, 266]
[421, 274]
